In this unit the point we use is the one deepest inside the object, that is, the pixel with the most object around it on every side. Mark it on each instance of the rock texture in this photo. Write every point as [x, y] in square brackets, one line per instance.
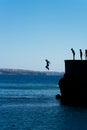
[73, 86]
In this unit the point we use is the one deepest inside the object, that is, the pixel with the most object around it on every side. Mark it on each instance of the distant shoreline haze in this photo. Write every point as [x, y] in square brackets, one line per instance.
[22, 71]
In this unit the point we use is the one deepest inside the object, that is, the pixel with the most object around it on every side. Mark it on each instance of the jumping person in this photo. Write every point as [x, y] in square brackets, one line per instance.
[47, 64]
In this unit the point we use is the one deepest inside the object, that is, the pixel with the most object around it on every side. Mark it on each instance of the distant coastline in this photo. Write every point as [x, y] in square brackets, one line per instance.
[30, 72]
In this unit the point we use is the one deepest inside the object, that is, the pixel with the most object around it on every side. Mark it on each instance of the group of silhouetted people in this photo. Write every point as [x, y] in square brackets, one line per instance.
[73, 52]
[81, 54]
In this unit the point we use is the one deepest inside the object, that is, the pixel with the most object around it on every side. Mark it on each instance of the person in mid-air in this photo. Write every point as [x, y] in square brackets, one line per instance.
[73, 53]
[47, 64]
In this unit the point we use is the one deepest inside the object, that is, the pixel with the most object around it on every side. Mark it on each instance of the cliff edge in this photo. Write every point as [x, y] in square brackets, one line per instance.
[73, 85]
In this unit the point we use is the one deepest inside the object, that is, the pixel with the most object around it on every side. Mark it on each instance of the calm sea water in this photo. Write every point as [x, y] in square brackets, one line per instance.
[27, 102]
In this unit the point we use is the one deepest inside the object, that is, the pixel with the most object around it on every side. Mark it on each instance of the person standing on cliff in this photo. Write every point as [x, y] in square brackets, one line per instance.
[73, 53]
[85, 54]
[80, 53]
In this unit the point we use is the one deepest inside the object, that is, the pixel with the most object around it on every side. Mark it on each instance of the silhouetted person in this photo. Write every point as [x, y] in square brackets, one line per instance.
[85, 54]
[47, 64]
[81, 54]
[73, 53]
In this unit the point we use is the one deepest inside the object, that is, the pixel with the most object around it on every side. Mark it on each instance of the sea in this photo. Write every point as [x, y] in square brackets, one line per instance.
[28, 102]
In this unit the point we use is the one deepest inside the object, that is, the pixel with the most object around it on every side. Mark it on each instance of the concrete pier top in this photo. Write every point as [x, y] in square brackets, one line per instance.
[76, 67]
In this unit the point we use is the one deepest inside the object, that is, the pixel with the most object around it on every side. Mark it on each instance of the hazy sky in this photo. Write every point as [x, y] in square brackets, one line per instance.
[33, 30]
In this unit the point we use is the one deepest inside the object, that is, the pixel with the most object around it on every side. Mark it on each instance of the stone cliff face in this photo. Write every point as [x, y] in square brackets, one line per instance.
[73, 86]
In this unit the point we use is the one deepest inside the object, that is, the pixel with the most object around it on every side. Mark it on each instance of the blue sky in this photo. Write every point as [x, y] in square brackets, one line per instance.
[33, 30]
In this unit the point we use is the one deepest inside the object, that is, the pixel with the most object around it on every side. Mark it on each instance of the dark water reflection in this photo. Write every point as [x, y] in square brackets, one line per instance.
[31, 105]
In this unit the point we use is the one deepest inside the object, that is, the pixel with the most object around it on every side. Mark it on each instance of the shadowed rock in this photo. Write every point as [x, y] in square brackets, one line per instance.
[73, 85]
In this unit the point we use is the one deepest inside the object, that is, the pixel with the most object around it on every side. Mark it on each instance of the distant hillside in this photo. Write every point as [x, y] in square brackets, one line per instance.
[21, 71]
